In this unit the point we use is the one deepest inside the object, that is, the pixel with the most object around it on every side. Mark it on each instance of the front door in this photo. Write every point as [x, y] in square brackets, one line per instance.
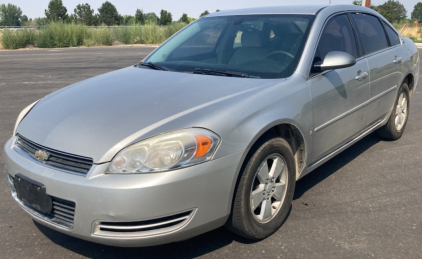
[338, 96]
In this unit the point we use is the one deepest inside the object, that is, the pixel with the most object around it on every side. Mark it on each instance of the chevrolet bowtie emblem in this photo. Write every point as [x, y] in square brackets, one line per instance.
[41, 155]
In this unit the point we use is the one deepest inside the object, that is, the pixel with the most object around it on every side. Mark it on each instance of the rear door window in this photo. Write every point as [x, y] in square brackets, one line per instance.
[371, 32]
[392, 35]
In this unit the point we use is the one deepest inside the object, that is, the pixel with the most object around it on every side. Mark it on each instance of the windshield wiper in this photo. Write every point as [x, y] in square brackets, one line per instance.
[154, 66]
[213, 72]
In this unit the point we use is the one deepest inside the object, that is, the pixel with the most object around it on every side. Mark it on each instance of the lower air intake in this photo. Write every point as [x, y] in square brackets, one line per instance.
[143, 228]
[62, 214]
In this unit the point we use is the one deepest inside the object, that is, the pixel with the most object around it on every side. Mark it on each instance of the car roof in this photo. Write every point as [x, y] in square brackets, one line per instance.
[286, 9]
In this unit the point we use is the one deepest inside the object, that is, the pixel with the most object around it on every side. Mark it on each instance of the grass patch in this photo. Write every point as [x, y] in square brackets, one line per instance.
[60, 35]
[98, 37]
[145, 34]
[15, 39]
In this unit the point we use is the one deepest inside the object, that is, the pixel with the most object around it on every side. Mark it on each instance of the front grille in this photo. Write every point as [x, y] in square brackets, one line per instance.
[143, 228]
[56, 159]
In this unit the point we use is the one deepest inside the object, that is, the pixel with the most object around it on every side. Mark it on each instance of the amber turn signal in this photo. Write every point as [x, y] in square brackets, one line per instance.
[204, 144]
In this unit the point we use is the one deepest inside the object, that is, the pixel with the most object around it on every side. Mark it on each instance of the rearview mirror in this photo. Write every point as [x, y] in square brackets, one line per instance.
[336, 60]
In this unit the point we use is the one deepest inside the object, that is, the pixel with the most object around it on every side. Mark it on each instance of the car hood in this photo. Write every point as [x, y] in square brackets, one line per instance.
[110, 111]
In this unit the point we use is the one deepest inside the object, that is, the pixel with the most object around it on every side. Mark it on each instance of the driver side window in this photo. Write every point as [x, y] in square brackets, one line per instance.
[337, 35]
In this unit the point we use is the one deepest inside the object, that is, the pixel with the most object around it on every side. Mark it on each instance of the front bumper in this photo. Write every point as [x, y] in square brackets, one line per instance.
[205, 190]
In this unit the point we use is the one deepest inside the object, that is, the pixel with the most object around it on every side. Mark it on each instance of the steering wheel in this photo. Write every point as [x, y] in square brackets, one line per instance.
[280, 52]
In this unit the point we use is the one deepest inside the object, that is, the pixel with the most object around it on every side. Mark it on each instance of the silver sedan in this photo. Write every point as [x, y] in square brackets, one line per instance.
[214, 127]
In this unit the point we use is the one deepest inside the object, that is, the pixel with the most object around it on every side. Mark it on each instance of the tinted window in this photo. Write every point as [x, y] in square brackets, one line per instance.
[336, 36]
[392, 35]
[371, 32]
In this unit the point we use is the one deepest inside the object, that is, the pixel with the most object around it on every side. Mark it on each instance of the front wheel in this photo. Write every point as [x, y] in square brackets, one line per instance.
[265, 191]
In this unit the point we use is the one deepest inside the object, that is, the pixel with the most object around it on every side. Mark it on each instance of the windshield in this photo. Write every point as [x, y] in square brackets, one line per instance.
[260, 46]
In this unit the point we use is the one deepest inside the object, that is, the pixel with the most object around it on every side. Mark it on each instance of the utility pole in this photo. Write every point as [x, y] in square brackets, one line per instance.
[330, 1]
[366, 3]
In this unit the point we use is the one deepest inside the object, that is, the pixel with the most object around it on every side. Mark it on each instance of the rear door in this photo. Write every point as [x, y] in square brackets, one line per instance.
[338, 95]
[380, 44]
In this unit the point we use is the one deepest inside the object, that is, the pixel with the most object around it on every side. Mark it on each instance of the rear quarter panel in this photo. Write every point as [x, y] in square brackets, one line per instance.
[410, 56]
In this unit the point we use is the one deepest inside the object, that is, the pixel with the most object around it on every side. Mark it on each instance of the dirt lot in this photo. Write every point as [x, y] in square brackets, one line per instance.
[364, 203]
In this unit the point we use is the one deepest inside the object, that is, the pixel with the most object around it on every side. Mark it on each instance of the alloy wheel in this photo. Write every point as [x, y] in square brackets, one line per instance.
[401, 112]
[269, 188]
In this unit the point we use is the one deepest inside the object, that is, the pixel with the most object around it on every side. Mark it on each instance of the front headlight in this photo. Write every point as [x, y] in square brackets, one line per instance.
[169, 151]
[21, 116]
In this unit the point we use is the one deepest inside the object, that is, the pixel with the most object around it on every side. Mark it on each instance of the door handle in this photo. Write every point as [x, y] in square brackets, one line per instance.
[361, 76]
[397, 60]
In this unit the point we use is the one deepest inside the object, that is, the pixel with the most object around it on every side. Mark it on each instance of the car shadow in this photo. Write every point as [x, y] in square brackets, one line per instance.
[190, 248]
[334, 164]
[212, 240]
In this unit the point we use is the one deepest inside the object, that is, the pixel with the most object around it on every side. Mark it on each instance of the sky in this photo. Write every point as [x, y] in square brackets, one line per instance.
[193, 8]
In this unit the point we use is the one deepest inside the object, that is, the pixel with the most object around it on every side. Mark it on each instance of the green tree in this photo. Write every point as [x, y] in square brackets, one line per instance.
[184, 18]
[72, 18]
[96, 20]
[56, 11]
[165, 18]
[24, 19]
[84, 14]
[417, 12]
[204, 13]
[139, 16]
[10, 15]
[392, 10]
[30, 22]
[151, 18]
[108, 14]
[128, 19]
[41, 21]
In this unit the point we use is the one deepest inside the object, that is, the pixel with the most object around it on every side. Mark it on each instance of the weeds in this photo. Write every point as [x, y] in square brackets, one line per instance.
[98, 37]
[15, 39]
[59, 35]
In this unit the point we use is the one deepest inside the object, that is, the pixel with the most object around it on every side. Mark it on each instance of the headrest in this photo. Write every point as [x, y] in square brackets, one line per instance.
[252, 38]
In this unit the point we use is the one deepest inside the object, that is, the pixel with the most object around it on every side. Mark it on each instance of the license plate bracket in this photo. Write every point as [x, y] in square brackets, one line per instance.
[32, 193]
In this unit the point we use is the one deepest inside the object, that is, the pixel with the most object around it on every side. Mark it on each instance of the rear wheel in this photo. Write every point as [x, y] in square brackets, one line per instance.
[398, 119]
[265, 191]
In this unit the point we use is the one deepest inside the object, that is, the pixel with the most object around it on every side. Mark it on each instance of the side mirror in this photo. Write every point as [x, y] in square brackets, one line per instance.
[336, 60]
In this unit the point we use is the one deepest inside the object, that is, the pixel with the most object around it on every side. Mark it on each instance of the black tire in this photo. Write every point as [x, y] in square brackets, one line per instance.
[389, 130]
[242, 221]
